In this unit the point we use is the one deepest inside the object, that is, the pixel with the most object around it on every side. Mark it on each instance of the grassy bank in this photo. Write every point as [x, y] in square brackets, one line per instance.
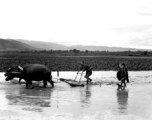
[71, 63]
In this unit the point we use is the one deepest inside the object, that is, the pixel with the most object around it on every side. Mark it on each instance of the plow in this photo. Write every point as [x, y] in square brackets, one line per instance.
[74, 83]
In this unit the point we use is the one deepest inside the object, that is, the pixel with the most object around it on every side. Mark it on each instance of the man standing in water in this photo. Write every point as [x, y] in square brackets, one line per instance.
[122, 74]
[88, 71]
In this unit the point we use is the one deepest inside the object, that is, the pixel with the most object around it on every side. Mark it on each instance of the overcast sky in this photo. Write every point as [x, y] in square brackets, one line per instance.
[124, 23]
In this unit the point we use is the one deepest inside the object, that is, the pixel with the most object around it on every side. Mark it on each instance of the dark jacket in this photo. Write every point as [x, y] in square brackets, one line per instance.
[85, 68]
[123, 73]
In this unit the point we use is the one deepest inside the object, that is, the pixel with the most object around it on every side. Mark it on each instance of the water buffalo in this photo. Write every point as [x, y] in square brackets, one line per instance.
[35, 72]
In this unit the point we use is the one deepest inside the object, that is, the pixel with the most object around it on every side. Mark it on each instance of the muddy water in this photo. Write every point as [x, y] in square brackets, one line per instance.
[101, 101]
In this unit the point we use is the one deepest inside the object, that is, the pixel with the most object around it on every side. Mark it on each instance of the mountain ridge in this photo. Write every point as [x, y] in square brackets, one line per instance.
[44, 45]
[56, 46]
[19, 44]
[13, 45]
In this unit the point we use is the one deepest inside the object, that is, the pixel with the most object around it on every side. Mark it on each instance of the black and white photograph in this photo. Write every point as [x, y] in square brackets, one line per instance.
[75, 60]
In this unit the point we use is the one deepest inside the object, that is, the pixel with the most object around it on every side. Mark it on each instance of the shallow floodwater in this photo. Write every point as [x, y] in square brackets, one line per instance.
[100, 101]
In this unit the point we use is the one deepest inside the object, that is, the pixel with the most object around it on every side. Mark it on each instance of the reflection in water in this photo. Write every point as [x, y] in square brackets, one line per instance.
[39, 97]
[122, 99]
[85, 96]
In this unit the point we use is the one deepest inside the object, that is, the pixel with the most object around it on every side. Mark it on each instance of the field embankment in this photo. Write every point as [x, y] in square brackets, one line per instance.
[72, 63]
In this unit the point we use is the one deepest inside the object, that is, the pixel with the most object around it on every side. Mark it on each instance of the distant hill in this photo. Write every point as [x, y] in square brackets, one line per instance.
[44, 45]
[13, 45]
[103, 48]
[53, 46]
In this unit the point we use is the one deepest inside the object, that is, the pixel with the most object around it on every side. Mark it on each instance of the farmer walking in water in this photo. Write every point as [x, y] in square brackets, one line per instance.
[88, 71]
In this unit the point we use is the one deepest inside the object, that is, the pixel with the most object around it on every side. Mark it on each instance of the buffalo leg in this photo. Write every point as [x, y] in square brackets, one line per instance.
[26, 84]
[20, 80]
[45, 83]
[50, 80]
[30, 83]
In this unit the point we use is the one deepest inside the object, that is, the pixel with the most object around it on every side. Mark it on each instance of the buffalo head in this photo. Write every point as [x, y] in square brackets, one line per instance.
[8, 74]
[12, 73]
[8, 71]
[9, 77]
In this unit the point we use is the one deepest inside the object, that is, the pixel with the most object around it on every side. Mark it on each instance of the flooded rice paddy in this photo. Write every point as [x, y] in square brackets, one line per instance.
[101, 100]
